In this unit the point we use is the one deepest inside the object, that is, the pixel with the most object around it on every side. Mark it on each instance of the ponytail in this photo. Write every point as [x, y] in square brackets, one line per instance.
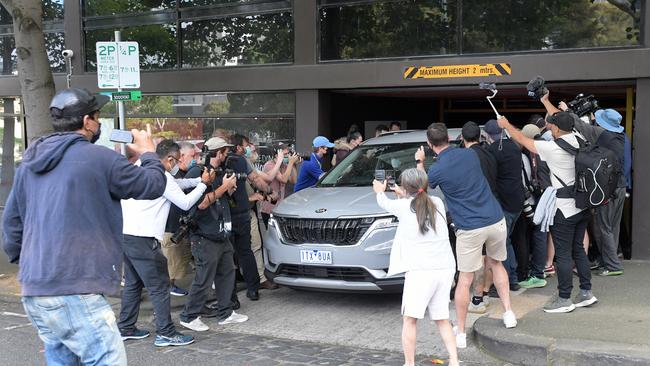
[425, 211]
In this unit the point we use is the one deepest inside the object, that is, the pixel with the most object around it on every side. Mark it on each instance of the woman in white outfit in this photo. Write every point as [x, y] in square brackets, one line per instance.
[422, 251]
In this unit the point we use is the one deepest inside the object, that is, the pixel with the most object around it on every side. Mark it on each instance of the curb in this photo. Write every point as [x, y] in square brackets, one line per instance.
[524, 349]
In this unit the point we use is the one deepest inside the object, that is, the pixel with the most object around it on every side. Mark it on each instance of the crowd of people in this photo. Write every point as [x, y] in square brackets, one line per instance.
[171, 210]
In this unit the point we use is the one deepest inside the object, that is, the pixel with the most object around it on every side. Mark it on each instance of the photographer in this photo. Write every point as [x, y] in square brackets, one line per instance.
[287, 173]
[569, 222]
[211, 248]
[144, 263]
[63, 225]
[608, 133]
[241, 221]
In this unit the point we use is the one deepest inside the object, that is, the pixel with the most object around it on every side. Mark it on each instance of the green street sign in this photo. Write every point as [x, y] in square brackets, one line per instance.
[124, 96]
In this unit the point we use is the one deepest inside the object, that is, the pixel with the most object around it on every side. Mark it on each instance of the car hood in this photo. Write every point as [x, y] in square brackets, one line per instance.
[333, 202]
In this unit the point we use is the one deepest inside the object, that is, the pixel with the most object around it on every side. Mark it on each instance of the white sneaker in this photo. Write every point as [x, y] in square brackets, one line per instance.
[509, 319]
[461, 338]
[234, 318]
[196, 325]
[477, 309]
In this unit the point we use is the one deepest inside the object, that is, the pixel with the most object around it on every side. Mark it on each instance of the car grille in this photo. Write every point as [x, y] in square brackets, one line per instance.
[334, 273]
[323, 231]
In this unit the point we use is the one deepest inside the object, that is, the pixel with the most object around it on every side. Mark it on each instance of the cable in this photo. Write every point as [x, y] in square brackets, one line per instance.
[597, 187]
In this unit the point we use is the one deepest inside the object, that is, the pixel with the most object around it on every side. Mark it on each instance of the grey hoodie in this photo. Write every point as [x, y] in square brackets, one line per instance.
[63, 219]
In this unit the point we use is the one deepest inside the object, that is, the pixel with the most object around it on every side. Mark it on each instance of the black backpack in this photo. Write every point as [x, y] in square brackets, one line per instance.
[597, 174]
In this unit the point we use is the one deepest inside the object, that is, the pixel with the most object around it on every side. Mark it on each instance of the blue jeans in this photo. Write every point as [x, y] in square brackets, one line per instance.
[511, 261]
[76, 329]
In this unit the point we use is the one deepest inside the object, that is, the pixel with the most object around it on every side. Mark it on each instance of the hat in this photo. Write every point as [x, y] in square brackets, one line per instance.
[73, 102]
[492, 128]
[322, 141]
[609, 119]
[216, 143]
[563, 120]
[530, 131]
[471, 131]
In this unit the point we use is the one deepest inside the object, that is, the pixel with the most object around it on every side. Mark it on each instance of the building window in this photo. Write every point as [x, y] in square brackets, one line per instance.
[359, 29]
[376, 29]
[54, 38]
[266, 118]
[194, 33]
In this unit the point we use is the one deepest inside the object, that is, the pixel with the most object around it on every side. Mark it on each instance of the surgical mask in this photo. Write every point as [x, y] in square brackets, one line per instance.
[248, 152]
[285, 160]
[192, 164]
[174, 170]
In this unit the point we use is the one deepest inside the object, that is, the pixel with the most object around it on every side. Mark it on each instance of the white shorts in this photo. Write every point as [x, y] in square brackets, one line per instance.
[427, 289]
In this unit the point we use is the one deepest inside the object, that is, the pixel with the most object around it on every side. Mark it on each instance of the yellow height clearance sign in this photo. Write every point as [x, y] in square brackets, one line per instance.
[456, 71]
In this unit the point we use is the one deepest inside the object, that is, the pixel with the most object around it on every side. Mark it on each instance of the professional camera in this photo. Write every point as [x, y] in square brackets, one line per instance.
[187, 223]
[536, 88]
[529, 205]
[583, 105]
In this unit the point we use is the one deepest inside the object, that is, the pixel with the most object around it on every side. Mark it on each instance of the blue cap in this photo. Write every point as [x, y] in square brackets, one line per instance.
[322, 141]
[492, 128]
[609, 119]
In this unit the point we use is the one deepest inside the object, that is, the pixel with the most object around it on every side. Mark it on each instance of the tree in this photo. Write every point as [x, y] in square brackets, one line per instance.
[36, 81]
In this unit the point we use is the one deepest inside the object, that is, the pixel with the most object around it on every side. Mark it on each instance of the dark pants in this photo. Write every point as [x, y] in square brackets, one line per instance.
[567, 239]
[145, 266]
[241, 230]
[538, 251]
[511, 261]
[520, 242]
[213, 264]
[265, 218]
[607, 225]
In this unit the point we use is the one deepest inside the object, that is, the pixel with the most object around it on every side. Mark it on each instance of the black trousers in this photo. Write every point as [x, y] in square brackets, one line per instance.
[214, 264]
[241, 234]
[567, 239]
[145, 266]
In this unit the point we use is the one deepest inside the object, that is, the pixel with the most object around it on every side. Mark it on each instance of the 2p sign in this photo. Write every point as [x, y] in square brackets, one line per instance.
[118, 65]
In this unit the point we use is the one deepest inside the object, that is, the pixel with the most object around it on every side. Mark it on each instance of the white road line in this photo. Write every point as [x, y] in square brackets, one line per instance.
[18, 326]
[8, 313]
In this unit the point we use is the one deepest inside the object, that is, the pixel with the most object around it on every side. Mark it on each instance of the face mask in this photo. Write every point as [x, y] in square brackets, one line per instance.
[248, 152]
[174, 170]
[191, 164]
[285, 160]
[96, 134]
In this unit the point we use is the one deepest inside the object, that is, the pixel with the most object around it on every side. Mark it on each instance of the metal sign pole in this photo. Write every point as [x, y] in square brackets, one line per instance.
[120, 104]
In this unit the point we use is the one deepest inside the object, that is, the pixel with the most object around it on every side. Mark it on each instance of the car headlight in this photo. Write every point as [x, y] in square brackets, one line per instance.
[387, 222]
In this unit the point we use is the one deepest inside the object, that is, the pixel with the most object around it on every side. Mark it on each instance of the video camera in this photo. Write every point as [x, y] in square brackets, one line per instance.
[583, 104]
[537, 88]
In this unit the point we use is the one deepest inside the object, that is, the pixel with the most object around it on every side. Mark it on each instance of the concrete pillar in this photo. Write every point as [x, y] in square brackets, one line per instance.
[641, 175]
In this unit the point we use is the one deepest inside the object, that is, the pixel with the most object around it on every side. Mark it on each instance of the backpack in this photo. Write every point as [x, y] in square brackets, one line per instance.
[597, 175]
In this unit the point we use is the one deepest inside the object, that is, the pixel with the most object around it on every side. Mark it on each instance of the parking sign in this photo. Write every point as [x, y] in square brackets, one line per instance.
[118, 65]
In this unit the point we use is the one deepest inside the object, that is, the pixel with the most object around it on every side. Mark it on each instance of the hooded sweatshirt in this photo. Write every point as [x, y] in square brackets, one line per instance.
[63, 220]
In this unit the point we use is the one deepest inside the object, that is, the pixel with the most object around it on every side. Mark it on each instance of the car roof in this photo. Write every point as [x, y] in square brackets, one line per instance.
[406, 136]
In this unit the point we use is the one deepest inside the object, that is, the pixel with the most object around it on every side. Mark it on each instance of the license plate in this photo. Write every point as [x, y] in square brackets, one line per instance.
[316, 256]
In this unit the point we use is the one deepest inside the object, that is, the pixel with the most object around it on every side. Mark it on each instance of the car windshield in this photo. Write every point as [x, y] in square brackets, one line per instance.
[358, 168]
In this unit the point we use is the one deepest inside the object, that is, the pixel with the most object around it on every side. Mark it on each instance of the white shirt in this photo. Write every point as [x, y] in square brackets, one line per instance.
[147, 218]
[411, 249]
[561, 164]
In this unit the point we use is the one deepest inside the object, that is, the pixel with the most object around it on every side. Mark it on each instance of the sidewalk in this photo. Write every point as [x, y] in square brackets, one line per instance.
[613, 331]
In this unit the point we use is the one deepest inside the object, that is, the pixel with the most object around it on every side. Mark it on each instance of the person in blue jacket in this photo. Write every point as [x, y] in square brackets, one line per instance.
[311, 170]
[62, 224]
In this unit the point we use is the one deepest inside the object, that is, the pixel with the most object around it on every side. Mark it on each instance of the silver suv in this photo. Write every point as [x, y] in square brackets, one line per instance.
[334, 237]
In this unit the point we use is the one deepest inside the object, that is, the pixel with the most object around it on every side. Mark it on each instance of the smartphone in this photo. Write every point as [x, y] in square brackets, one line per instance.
[380, 175]
[122, 136]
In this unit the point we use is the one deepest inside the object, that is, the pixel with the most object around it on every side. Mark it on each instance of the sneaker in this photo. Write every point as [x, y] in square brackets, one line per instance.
[234, 318]
[461, 338]
[608, 273]
[594, 265]
[515, 287]
[479, 308]
[196, 325]
[509, 319]
[135, 334]
[533, 282]
[584, 298]
[177, 339]
[549, 271]
[177, 291]
[493, 292]
[559, 305]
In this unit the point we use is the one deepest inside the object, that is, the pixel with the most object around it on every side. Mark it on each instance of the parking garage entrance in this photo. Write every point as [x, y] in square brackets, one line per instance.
[416, 108]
